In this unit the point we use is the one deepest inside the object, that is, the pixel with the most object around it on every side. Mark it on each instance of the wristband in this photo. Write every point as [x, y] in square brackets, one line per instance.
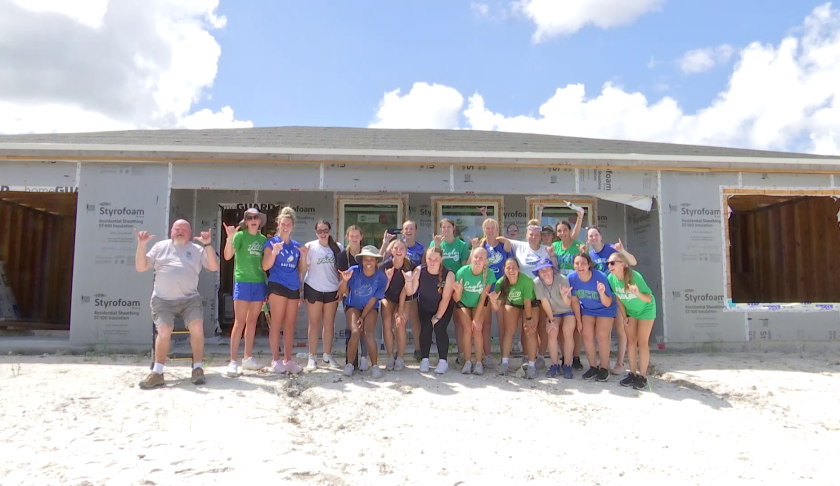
[208, 244]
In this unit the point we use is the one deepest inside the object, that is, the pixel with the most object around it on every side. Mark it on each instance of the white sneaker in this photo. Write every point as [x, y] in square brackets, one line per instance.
[467, 369]
[517, 347]
[390, 364]
[232, 370]
[442, 367]
[488, 361]
[310, 364]
[277, 367]
[399, 364]
[348, 370]
[424, 365]
[328, 358]
[375, 372]
[479, 369]
[363, 364]
[251, 364]
[293, 368]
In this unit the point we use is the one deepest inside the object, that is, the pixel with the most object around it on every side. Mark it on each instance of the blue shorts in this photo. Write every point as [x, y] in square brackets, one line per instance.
[564, 314]
[249, 292]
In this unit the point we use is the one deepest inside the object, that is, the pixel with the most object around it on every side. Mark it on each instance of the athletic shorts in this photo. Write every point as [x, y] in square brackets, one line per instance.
[250, 292]
[283, 291]
[564, 314]
[164, 311]
[518, 306]
[312, 296]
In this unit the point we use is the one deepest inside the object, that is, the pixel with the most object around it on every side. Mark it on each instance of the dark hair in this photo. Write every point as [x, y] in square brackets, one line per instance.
[596, 228]
[586, 257]
[504, 287]
[330, 240]
[442, 271]
[564, 223]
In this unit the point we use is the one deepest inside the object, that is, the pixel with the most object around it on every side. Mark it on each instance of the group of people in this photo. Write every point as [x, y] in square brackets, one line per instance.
[557, 293]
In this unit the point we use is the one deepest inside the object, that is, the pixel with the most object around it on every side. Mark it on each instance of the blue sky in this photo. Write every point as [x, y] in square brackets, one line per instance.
[747, 73]
[329, 63]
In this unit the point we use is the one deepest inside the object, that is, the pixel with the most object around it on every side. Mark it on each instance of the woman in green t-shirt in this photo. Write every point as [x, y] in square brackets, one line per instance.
[637, 310]
[249, 287]
[455, 250]
[566, 250]
[472, 284]
[514, 291]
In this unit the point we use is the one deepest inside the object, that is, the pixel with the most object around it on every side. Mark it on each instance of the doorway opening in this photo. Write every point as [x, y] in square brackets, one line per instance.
[37, 241]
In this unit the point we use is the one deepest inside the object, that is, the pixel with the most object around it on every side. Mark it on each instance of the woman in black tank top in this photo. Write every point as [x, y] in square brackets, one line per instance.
[434, 285]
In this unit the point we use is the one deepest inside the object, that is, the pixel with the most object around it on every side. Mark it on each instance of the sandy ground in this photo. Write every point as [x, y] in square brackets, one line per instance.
[758, 418]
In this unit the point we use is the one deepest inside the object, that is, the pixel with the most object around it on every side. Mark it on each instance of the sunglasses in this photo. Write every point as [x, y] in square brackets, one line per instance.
[251, 218]
[611, 263]
[322, 231]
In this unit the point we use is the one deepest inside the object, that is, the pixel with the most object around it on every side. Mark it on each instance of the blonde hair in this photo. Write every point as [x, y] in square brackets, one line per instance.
[628, 272]
[534, 222]
[484, 275]
[484, 229]
[285, 213]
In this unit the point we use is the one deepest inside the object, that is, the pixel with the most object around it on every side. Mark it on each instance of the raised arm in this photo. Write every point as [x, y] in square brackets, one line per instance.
[141, 262]
[229, 250]
[210, 257]
[578, 225]
[619, 247]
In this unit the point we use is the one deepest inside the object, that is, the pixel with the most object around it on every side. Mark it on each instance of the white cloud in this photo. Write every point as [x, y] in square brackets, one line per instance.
[701, 60]
[480, 9]
[425, 106]
[556, 17]
[784, 97]
[107, 65]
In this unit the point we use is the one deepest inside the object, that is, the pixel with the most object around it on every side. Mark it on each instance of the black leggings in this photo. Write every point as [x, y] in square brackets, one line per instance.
[440, 329]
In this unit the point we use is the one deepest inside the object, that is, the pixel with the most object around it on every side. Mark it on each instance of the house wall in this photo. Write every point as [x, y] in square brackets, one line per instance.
[687, 218]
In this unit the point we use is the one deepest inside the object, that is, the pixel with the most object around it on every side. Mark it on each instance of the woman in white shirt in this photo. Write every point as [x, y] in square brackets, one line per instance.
[320, 287]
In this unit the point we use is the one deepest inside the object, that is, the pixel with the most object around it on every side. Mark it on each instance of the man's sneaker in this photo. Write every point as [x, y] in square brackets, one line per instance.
[640, 383]
[553, 370]
[488, 361]
[603, 375]
[375, 372]
[198, 376]
[152, 380]
[418, 355]
[277, 367]
[576, 364]
[348, 370]
[310, 364]
[567, 372]
[363, 364]
[251, 364]
[399, 364]
[628, 380]
[390, 364]
[442, 367]
[424, 365]
[591, 373]
[328, 358]
[540, 363]
[479, 368]
[233, 369]
[467, 369]
[292, 367]
[531, 372]
[503, 368]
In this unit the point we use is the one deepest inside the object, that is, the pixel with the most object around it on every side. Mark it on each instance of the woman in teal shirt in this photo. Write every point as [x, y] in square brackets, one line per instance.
[515, 292]
[472, 283]
[455, 250]
[637, 311]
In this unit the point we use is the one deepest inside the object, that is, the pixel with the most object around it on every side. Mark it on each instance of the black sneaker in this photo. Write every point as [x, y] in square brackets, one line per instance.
[603, 375]
[628, 380]
[591, 373]
[640, 383]
[576, 364]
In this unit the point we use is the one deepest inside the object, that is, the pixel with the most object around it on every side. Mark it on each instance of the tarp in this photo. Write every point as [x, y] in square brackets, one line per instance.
[643, 203]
